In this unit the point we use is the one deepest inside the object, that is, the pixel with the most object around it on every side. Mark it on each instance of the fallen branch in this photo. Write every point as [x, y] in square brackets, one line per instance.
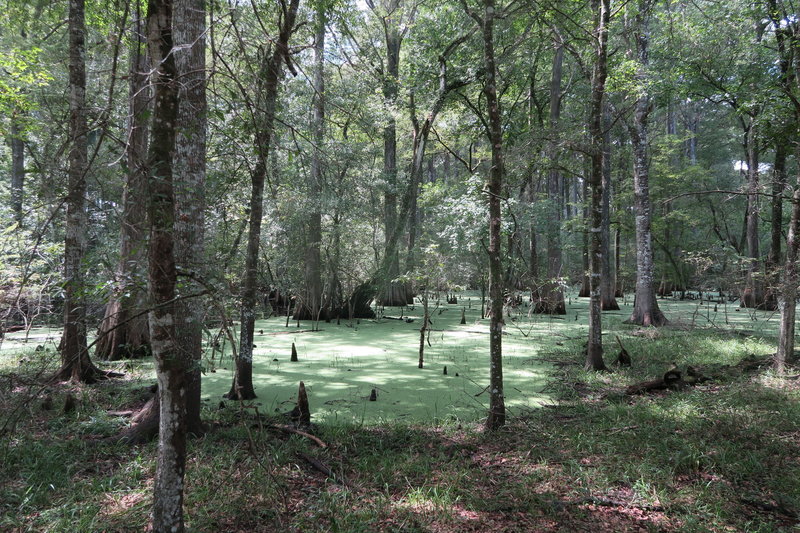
[287, 429]
[606, 502]
[321, 467]
[770, 507]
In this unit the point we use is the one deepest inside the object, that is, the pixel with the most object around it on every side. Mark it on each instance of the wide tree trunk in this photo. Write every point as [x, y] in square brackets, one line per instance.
[190, 176]
[75, 363]
[497, 410]
[393, 293]
[594, 349]
[776, 228]
[788, 303]
[754, 292]
[608, 302]
[124, 332]
[645, 310]
[552, 294]
[171, 367]
[267, 94]
[310, 307]
[788, 40]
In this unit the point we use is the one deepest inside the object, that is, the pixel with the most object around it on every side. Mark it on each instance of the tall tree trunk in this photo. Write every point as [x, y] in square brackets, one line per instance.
[122, 334]
[17, 142]
[190, 176]
[645, 310]
[422, 132]
[788, 295]
[608, 302]
[171, 368]
[310, 308]
[754, 293]
[392, 293]
[585, 291]
[267, 94]
[553, 295]
[497, 409]
[75, 363]
[594, 349]
[776, 227]
[778, 188]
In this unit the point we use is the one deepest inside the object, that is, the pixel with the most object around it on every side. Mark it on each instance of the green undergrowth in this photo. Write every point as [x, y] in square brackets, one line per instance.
[719, 456]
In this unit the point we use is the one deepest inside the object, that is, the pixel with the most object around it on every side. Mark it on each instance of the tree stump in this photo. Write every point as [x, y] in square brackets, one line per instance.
[304, 412]
[294, 355]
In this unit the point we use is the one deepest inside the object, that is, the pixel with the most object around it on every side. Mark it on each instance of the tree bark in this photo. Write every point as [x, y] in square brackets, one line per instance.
[776, 227]
[754, 292]
[645, 311]
[311, 306]
[267, 94]
[17, 142]
[608, 302]
[552, 294]
[788, 301]
[585, 290]
[393, 293]
[75, 363]
[120, 336]
[171, 368]
[594, 350]
[190, 177]
[497, 410]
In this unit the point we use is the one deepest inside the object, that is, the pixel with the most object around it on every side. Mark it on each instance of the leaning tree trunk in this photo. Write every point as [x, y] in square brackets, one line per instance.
[171, 367]
[272, 72]
[190, 176]
[594, 349]
[75, 363]
[645, 310]
[497, 410]
[310, 307]
[124, 332]
[608, 302]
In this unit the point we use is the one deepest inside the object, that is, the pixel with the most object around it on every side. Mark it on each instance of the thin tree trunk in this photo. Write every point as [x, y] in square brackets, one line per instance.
[645, 311]
[608, 302]
[617, 257]
[272, 72]
[424, 328]
[594, 350]
[171, 368]
[17, 143]
[190, 176]
[119, 336]
[585, 291]
[497, 410]
[75, 363]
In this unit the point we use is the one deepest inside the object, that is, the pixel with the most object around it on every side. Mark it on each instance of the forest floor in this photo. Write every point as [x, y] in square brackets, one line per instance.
[723, 455]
